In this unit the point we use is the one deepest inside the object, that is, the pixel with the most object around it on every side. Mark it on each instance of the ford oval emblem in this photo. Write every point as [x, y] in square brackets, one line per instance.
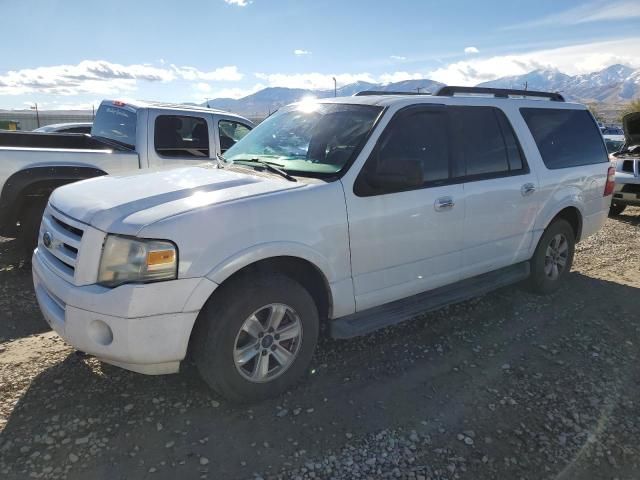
[47, 239]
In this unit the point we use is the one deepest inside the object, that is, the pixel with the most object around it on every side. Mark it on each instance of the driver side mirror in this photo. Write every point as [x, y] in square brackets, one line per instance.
[395, 175]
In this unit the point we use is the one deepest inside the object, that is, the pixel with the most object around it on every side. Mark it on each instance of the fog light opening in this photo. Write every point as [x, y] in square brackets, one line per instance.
[100, 332]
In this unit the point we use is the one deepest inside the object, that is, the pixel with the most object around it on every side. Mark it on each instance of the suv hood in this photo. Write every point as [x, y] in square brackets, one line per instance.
[126, 204]
[631, 126]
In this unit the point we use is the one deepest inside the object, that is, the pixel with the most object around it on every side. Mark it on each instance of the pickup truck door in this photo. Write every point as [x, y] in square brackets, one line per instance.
[502, 201]
[180, 138]
[406, 211]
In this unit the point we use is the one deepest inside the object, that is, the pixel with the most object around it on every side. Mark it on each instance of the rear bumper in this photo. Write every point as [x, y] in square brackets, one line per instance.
[133, 335]
[627, 190]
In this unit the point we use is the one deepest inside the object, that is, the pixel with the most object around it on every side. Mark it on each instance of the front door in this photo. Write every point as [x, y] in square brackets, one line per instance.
[405, 211]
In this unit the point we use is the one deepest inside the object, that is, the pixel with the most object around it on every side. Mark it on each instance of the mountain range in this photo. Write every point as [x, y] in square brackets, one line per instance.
[614, 84]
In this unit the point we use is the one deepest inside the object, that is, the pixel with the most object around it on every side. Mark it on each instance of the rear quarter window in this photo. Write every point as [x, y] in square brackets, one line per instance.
[565, 138]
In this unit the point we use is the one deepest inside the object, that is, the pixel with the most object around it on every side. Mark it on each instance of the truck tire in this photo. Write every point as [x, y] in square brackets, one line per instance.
[616, 209]
[30, 225]
[257, 337]
[553, 257]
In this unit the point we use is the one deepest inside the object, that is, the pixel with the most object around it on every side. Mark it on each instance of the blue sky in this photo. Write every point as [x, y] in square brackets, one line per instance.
[67, 53]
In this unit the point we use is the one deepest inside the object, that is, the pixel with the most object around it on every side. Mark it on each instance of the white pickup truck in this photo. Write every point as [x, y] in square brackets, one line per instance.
[356, 213]
[124, 137]
[627, 159]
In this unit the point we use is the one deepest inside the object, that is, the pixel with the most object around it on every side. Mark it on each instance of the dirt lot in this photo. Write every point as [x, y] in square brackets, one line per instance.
[510, 386]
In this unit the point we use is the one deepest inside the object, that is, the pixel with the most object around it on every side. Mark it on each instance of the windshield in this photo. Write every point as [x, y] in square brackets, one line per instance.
[116, 123]
[309, 138]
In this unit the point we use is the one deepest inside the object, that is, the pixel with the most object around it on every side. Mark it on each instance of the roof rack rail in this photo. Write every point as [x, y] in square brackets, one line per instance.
[450, 91]
[366, 93]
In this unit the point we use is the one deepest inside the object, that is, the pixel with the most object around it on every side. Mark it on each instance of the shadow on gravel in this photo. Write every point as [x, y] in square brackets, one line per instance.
[630, 219]
[551, 367]
[19, 312]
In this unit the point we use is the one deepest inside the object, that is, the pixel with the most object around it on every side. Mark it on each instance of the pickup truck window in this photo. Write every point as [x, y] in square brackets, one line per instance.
[412, 153]
[565, 138]
[181, 136]
[117, 124]
[309, 138]
[485, 143]
[231, 133]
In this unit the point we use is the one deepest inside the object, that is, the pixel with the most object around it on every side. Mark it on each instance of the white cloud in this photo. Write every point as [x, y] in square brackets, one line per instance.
[228, 74]
[102, 78]
[236, 92]
[202, 87]
[399, 58]
[575, 59]
[299, 52]
[470, 50]
[239, 3]
[399, 77]
[312, 81]
[591, 12]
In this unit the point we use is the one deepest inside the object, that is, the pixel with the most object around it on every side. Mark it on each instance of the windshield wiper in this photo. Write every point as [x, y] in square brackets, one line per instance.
[272, 167]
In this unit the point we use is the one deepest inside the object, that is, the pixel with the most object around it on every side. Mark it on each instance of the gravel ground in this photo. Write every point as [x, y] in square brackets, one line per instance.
[510, 385]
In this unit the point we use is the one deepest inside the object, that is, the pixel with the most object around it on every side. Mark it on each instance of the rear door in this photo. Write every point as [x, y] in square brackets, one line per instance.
[179, 139]
[500, 189]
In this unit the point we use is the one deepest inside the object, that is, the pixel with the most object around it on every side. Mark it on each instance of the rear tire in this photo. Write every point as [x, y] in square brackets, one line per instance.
[553, 257]
[616, 209]
[30, 225]
[235, 336]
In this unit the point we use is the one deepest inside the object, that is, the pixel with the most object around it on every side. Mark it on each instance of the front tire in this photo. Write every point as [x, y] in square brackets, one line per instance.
[256, 337]
[553, 257]
[30, 225]
[616, 209]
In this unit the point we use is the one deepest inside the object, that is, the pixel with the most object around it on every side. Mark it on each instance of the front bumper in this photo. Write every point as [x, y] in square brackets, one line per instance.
[144, 328]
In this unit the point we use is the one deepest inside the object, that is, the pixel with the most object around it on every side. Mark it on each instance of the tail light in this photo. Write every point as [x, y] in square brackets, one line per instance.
[611, 181]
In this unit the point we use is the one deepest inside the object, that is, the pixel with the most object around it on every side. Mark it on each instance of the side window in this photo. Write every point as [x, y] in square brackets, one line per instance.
[230, 133]
[181, 136]
[485, 142]
[413, 152]
[565, 138]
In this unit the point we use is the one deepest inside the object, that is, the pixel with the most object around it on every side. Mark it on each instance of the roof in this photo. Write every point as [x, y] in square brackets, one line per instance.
[171, 106]
[402, 100]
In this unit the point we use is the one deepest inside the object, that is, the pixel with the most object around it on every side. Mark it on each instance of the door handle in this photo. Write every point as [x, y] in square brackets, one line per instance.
[527, 189]
[444, 203]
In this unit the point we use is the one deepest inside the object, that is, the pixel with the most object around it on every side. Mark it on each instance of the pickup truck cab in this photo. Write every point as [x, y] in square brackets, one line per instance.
[124, 137]
[355, 212]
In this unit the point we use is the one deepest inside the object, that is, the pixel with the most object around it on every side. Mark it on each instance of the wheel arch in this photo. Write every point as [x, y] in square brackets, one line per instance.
[301, 269]
[573, 216]
[37, 182]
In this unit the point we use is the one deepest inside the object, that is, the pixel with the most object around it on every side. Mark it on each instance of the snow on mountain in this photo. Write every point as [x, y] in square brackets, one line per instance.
[614, 84]
[545, 80]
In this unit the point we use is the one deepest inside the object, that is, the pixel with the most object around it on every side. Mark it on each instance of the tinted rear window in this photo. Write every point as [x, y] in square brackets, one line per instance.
[484, 141]
[565, 138]
[117, 124]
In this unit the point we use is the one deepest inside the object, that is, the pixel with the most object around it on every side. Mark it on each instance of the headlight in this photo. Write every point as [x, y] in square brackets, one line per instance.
[128, 260]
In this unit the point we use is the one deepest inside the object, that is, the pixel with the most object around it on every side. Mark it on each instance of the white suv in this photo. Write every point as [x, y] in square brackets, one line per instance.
[356, 212]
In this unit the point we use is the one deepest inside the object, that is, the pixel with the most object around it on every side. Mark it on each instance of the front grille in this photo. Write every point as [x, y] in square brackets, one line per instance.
[631, 188]
[627, 166]
[60, 239]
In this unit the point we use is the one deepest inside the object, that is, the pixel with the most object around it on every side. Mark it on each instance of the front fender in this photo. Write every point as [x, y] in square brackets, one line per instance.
[263, 251]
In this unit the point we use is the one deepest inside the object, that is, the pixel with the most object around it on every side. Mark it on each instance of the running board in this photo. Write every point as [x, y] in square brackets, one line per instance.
[367, 321]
